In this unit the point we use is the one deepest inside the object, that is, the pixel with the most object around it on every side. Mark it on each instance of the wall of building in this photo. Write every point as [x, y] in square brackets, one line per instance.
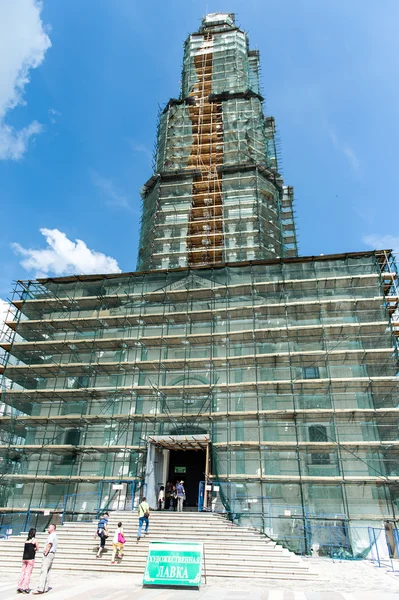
[289, 366]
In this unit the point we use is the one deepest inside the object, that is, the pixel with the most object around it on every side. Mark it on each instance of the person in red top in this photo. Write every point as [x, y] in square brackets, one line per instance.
[28, 561]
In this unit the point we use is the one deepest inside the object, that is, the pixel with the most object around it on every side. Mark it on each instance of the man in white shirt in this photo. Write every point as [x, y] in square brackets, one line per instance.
[47, 563]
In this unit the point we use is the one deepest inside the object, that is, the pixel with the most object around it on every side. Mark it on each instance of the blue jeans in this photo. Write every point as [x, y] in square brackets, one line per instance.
[143, 520]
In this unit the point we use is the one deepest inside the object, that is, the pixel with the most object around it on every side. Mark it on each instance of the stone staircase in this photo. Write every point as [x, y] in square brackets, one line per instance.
[230, 550]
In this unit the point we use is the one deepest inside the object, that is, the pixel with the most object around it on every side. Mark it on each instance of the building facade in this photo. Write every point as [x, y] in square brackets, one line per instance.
[267, 381]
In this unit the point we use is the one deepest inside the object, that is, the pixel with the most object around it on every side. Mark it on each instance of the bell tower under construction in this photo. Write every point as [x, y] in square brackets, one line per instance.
[216, 195]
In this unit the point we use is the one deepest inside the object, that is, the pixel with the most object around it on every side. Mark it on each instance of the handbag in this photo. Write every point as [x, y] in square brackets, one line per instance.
[121, 538]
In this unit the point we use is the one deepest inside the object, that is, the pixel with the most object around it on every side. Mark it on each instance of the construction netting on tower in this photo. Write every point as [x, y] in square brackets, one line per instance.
[216, 195]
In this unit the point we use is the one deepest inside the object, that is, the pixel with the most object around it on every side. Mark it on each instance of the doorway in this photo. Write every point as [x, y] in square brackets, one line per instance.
[176, 458]
[187, 466]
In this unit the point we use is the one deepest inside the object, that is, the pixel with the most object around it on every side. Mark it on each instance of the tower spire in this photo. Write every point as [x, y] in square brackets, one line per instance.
[216, 195]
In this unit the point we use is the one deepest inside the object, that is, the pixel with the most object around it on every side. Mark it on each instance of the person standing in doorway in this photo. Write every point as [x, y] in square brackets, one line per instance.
[102, 532]
[28, 561]
[172, 497]
[144, 516]
[181, 495]
[161, 498]
[48, 558]
[168, 493]
[118, 543]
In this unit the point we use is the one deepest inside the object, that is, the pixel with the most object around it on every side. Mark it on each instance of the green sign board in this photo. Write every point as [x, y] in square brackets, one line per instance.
[174, 564]
[180, 469]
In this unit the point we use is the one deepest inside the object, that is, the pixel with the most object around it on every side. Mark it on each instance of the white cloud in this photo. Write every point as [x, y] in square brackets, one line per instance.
[142, 149]
[23, 45]
[4, 306]
[382, 242]
[64, 257]
[53, 114]
[114, 196]
[347, 150]
[5, 314]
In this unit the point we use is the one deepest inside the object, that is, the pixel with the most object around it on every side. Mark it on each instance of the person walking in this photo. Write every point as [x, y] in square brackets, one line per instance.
[181, 495]
[144, 514]
[102, 532]
[28, 561]
[161, 498]
[118, 543]
[48, 558]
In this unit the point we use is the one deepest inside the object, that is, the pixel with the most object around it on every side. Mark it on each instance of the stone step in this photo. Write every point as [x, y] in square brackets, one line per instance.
[196, 513]
[230, 550]
[159, 531]
[156, 516]
[167, 516]
[211, 560]
[189, 534]
[222, 548]
[73, 568]
[138, 551]
[87, 553]
[134, 517]
[169, 513]
[166, 526]
[158, 526]
[105, 560]
[217, 542]
[215, 570]
[186, 534]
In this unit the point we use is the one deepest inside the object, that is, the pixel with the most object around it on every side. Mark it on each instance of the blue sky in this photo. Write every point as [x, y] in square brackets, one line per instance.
[77, 130]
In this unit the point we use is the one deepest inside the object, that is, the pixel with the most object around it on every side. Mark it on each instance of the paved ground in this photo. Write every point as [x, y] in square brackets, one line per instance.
[336, 581]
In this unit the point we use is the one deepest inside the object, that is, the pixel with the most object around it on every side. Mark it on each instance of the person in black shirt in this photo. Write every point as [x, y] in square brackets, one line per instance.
[28, 561]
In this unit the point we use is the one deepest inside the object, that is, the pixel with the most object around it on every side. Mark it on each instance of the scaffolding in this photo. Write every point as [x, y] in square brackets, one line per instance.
[289, 366]
[216, 195]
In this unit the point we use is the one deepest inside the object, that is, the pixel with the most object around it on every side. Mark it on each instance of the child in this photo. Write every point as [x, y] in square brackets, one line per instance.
[118, 543]
[161, 498]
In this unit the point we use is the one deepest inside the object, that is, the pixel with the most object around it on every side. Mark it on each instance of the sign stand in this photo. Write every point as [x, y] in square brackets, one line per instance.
[174, 564]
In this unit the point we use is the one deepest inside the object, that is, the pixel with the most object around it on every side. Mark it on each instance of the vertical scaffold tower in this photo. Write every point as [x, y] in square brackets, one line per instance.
[216, 195]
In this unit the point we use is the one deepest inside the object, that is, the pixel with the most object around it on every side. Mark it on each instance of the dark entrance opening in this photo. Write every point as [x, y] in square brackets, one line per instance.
[187, 466]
